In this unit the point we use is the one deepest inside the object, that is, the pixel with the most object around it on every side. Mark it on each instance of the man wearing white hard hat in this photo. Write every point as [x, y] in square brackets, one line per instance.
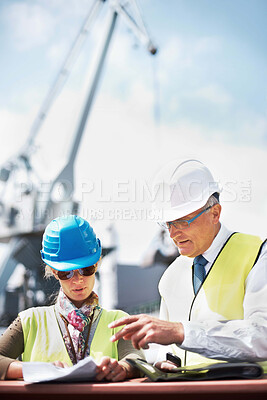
[214, 296]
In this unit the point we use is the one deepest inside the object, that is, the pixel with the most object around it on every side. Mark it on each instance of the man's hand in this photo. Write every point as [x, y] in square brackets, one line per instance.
[143, 329]
[166, 366]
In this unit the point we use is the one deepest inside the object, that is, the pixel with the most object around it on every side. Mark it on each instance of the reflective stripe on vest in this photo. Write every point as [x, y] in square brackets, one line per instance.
[43, 340]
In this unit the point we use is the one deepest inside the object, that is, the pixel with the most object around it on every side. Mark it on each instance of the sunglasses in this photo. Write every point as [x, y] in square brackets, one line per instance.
[87, 271]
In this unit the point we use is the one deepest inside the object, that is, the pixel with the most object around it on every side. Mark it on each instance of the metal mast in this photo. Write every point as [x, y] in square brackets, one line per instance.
[22, 233]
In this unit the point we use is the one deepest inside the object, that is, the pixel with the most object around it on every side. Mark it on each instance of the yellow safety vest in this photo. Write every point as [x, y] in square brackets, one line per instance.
[221, 296]
[43, 340]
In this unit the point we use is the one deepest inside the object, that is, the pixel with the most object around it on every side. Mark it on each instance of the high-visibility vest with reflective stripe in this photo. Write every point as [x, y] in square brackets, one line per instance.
[43, 340]
[220, 297]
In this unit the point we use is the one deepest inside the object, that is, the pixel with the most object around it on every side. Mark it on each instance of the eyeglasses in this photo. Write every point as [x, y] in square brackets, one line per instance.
[87, 271]
[182, 223]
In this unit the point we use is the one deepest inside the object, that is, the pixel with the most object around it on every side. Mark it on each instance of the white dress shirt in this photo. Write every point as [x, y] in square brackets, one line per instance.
[238, 339]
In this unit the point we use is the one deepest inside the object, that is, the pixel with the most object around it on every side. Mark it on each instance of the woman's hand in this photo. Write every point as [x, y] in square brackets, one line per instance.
[60, 364]
[14, 370]
[111, 370]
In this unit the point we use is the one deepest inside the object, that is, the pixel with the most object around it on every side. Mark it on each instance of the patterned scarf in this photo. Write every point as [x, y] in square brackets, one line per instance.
[78, 319]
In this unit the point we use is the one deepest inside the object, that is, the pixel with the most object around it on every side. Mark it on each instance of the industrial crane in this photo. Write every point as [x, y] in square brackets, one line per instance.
[24, 215]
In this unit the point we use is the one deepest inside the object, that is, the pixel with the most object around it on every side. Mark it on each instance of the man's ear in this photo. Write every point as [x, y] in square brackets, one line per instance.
[216, 212]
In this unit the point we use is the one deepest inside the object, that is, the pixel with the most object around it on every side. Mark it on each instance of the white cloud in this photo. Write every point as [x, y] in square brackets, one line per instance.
[121, 140]
[121, 48]
[207, 45]
[213, 93]
[122, 144]
[29, 25]
[176, 53]
[180, 52]
[254, 126]
[56, 53]
[14, 128]
[71, 9]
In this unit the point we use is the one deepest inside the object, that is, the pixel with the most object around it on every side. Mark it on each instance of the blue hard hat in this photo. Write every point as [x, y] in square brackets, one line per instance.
[70, 243]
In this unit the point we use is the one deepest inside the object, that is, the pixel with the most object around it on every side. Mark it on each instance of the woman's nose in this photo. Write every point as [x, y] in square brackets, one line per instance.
[77, 276]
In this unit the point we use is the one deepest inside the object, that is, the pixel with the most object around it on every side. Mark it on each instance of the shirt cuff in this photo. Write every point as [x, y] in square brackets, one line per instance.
[192, 333]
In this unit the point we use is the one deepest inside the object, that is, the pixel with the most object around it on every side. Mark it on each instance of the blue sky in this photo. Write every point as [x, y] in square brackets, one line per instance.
[217, 49]
[210, 82]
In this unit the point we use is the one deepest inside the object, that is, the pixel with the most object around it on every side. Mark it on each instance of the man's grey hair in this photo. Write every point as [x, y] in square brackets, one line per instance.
[212, 200]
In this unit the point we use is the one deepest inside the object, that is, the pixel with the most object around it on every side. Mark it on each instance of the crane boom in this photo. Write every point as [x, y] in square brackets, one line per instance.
[23, 221]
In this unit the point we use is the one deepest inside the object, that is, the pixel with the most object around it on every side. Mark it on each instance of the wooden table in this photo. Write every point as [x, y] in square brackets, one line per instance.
[137, 389]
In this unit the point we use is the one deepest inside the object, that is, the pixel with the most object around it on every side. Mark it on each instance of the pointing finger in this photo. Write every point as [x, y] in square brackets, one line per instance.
[123, 321]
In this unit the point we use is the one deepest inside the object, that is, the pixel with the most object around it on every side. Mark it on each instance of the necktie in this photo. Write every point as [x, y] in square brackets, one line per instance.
[199, 271]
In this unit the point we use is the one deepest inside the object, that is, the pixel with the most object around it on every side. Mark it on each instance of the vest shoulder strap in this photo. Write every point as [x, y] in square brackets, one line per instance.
[240, 248]
[223, 289]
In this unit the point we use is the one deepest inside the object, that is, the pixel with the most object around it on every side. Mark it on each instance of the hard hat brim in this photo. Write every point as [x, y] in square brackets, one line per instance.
[181, 212]
[182, 190]
[75, 263]
[173, 213]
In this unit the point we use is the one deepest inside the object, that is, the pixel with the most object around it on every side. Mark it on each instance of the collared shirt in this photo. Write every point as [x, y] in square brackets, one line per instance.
[238, 339]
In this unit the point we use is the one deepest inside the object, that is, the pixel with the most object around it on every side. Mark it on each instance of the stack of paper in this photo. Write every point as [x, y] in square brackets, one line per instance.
[83, 371]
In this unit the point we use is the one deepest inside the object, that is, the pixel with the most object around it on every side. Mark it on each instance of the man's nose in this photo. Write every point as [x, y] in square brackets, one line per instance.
[174, 231]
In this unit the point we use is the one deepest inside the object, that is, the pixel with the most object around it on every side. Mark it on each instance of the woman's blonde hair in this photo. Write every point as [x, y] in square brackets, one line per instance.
[48, 273]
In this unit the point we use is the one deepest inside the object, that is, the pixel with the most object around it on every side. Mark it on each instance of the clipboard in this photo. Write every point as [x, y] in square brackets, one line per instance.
[200, 372]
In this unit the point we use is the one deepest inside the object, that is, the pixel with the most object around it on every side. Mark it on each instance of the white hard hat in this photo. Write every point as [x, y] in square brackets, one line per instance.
[182, 188]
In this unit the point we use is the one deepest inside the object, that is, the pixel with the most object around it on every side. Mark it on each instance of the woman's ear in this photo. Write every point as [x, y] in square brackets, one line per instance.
[54, 272]
[96, 266]
[49, 272]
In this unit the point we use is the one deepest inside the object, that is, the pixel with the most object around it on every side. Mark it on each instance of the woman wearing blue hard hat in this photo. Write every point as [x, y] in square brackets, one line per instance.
[76, 325]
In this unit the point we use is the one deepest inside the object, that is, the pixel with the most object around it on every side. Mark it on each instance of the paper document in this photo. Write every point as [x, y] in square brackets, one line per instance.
[83, 371]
